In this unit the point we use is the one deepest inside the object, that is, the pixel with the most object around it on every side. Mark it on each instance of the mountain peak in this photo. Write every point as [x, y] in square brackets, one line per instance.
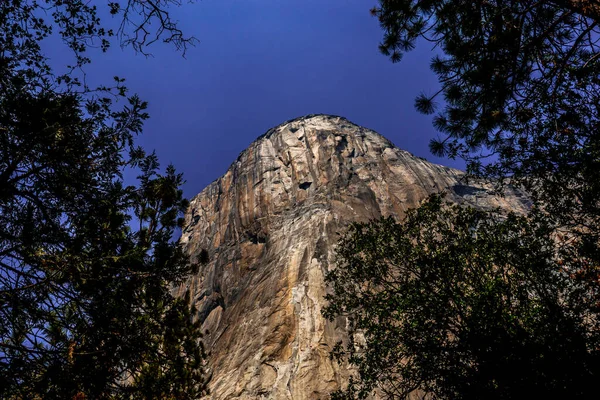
[316, 121]
[270, 226]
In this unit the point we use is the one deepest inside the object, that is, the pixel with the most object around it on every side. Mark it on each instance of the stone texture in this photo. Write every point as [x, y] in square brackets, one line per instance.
[270, 226]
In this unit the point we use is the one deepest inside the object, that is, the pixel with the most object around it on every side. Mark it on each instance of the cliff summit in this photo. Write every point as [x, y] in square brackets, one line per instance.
[270, 226]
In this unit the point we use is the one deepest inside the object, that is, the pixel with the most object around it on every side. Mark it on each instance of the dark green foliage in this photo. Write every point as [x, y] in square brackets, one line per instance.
[86, 262]
[521, 91]
[464, 304]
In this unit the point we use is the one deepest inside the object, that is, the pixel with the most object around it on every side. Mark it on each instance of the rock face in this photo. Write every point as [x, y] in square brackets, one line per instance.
[270, 226]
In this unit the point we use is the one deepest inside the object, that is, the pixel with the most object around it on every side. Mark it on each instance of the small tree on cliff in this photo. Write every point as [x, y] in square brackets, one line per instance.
[86, 262]
[457, 303]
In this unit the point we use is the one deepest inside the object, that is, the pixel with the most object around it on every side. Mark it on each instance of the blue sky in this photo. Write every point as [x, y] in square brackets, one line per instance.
[261, 62]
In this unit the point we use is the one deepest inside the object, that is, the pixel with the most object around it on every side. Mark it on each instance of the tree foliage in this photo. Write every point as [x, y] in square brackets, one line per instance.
[458, 303]
[87, 261]
[520, 82]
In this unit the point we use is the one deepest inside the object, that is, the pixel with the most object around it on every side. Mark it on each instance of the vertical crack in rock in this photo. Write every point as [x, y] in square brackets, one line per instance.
[269, 225]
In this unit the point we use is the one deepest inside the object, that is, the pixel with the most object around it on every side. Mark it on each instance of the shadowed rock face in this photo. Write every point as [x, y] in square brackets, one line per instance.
[270, 226]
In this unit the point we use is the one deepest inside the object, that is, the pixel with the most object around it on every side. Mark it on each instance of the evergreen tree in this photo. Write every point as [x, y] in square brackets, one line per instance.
[86, 261]
[520, 82]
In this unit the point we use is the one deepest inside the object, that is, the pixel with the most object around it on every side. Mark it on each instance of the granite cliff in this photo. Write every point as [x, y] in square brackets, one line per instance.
[270, 226]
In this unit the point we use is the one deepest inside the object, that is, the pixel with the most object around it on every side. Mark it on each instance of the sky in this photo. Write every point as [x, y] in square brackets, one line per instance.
[259, 63]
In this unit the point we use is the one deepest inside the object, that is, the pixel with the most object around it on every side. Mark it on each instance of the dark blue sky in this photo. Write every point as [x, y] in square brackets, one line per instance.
[261, 62]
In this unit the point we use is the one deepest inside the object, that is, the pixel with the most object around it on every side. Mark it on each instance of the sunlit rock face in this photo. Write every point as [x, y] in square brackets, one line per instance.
[270, 225]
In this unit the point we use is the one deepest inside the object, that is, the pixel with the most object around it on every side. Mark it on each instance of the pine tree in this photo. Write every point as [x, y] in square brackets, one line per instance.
[520, 82]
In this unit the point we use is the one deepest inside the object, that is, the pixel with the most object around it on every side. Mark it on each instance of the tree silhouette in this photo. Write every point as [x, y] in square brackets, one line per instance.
[456, 303]
[86, 261]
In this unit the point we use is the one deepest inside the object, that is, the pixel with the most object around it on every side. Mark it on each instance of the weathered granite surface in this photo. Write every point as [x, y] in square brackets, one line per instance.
[270, 226]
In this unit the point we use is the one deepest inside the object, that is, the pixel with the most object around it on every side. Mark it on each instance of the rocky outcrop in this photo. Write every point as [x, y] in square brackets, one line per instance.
[270, 225]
